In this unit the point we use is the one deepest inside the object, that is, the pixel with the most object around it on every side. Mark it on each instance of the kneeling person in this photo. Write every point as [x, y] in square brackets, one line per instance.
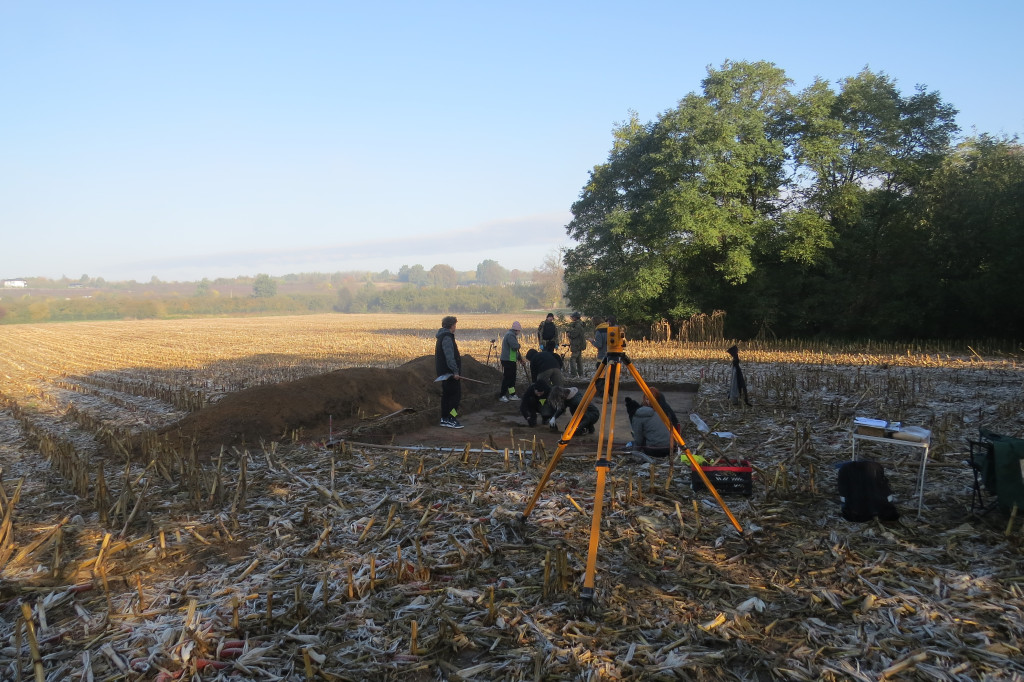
[536, 403]
[650, 435]
[563, 399]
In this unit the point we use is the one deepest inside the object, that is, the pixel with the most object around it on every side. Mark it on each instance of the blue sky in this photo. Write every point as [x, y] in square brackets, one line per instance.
[214, 139]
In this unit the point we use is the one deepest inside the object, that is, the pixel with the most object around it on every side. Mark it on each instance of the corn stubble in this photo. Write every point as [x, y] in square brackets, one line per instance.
[290, 560]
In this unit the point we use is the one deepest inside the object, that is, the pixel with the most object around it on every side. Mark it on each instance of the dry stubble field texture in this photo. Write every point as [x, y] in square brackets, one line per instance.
[125, 557]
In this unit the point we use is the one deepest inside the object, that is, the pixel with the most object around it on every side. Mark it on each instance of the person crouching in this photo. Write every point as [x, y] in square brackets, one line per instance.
[569, 398]
[535, 403]
[650, 435]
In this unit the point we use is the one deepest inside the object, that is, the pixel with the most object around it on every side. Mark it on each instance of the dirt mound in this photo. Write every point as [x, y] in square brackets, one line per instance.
[359, 400]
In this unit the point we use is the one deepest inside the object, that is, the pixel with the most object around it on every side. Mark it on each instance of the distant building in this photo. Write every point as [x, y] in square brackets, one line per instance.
[15, 283]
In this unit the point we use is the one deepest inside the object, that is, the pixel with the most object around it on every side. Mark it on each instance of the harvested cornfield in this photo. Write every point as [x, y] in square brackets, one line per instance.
[318, 555]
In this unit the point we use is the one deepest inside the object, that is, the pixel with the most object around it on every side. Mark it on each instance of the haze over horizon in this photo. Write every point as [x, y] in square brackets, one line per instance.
[194, 140]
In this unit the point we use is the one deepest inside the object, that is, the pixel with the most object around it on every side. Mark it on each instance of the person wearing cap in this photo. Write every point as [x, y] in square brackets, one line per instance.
[577, 333]
[510, 359]
[535, 403]
[547, 334]
[569, 398]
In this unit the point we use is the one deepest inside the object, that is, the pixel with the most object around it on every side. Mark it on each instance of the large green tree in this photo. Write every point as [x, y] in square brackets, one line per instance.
[676, 213]
[972, 211]
[796, 213]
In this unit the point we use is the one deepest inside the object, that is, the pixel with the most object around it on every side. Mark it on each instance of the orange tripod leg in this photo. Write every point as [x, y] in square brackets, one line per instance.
[602, 465]
[566, 437]
[679, 439]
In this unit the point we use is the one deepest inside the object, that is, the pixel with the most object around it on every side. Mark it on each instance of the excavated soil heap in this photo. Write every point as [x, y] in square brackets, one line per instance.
[345, 402]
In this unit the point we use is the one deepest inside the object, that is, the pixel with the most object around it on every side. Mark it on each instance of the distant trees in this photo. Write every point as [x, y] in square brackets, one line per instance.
[841, 211]
[490, 273]
[443, 276]
[264, 286]
[443, 289]
[550, 280]
[430, 299]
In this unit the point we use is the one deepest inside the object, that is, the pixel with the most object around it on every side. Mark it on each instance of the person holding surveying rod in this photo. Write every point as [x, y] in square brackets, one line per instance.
[448, 364]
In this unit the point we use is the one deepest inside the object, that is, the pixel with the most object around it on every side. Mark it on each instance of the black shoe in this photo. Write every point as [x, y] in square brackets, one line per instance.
[451, 423]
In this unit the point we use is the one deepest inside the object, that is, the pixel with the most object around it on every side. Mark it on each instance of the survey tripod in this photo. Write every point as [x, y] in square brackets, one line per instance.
[610, 367]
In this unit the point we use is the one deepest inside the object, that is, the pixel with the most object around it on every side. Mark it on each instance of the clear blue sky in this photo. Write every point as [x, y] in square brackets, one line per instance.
[188, 139]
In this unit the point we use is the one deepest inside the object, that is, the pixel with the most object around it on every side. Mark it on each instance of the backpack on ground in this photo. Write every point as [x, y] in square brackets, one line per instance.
[864, 492]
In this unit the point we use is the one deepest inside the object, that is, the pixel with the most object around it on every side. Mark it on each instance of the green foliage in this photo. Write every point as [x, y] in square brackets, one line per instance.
[264, 286]
[411, 299]
[831, 211]
[490, 273]
[443, 277]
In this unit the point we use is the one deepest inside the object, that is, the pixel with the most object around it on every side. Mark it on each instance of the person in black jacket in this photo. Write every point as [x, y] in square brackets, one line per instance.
[535, 403]
[448, 364]
[547, 334]
[545, 365]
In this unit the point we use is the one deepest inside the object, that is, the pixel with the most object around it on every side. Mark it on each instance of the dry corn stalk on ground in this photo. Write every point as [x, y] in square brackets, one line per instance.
[294, 561]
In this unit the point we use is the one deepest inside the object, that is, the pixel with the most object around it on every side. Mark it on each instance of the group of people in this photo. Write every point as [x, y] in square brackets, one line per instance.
[547, 398]
[545, 369]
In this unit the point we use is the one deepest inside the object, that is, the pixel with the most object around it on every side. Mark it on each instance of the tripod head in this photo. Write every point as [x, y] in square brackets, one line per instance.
[616, 340]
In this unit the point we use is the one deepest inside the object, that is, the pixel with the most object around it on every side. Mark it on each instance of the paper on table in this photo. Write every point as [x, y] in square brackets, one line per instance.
[876, 423]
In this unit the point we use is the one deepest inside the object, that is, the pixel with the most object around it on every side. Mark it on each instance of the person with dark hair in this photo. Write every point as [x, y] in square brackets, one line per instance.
[547, 334]
[738, 387]
[667, 409]
[535, 403]
[577, 333]
[448, 364]
[510, 356]
[650, 435]
[545, 365]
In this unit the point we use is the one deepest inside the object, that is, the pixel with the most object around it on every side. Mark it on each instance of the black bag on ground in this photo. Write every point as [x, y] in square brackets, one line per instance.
[864, 492]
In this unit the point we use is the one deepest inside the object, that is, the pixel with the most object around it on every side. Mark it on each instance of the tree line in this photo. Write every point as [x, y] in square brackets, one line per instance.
[848, 211]
[493, 290]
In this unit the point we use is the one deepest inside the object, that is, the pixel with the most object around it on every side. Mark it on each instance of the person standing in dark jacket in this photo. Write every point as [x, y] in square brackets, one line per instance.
[548, 334]
[448, 363]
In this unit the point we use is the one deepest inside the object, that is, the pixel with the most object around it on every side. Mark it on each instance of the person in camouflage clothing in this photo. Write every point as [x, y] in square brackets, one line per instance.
[577, 333]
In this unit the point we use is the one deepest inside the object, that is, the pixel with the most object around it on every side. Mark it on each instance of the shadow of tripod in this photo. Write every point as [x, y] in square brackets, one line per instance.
[611, 367]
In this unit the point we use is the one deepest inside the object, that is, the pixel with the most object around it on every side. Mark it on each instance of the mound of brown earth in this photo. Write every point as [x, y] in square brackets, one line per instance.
[358, 400]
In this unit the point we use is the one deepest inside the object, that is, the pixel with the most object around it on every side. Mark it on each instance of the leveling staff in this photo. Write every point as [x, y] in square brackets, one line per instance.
[448, 363]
